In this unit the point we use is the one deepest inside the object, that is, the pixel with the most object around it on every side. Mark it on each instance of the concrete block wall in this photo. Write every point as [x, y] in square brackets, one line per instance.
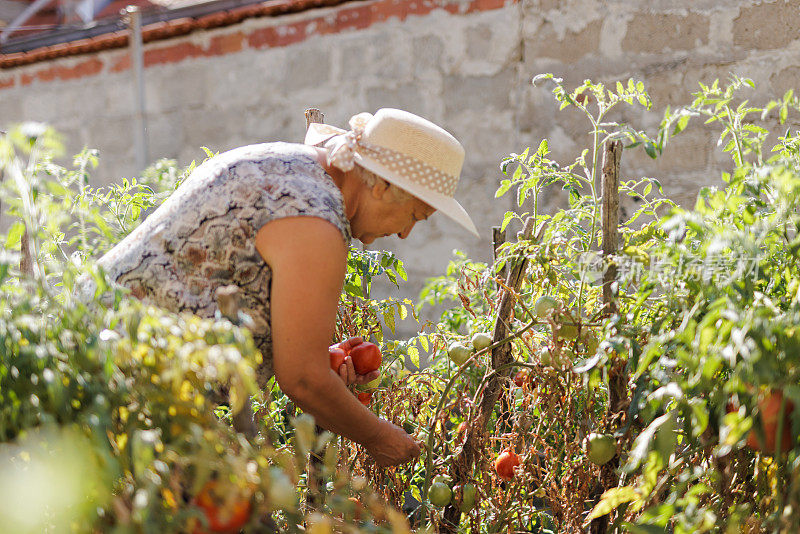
[671, 46]
[465, 64]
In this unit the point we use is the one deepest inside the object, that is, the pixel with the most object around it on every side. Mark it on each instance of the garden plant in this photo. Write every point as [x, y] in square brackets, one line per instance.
[599, 375]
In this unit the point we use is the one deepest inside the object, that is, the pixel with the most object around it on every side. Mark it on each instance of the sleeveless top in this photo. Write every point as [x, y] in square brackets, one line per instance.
[203, 236]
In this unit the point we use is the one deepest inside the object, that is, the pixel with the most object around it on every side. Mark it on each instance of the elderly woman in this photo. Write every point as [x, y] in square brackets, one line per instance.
[276, 220]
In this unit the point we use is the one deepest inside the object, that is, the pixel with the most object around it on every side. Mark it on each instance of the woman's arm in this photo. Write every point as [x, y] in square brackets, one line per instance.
[308, 259]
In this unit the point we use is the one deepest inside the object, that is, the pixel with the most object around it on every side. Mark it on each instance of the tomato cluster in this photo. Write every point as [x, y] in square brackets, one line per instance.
[366, 356]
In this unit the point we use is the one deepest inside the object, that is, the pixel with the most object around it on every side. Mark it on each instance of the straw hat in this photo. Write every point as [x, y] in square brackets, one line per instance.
[404, 149]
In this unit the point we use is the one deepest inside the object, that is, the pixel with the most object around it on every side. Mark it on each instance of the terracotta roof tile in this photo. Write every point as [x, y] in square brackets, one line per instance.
[161, 30]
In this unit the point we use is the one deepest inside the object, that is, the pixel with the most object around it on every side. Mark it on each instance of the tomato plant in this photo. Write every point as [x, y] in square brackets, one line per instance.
[671, 411]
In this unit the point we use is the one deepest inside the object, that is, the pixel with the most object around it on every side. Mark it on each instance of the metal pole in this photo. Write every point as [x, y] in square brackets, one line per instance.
[23, 17]
[137, 68]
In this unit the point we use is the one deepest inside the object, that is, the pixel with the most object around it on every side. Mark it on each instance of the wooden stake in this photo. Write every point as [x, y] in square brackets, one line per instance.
[26, 258]
[498, 238]
[501, 356]
[316, 483]
[313, 115]
[617, 375]
[612, 154]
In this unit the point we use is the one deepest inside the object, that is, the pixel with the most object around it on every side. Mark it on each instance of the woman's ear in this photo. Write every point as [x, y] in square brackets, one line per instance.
[379, 189]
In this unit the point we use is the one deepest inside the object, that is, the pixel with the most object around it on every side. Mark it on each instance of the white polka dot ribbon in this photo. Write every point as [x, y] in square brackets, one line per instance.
[342, 146]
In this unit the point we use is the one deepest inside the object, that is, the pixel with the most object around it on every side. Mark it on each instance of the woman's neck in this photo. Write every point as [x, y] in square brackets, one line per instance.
[347, 182]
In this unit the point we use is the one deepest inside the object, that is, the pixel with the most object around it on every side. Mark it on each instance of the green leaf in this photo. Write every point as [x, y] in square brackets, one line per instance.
[507, 218]
[680, 124]
[505, 185]
[658, 185]
[611, 499]
[652, 467]
[544, 148]
[14, 235]
[659, 435]
[423, 340]
[699, 415]
[58, 190]
[388, 319]
[413, 355]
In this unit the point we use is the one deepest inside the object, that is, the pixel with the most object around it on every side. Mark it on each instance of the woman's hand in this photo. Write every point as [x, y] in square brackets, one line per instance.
[393, 446]
[347, 372]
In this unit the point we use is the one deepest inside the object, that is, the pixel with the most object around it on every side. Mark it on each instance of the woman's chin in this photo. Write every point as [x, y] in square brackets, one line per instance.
[370, 238]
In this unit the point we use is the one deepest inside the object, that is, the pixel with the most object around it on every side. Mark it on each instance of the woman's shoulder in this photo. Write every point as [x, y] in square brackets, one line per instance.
[285, 168]
[283, 180]
[268, 157]
[289, 153]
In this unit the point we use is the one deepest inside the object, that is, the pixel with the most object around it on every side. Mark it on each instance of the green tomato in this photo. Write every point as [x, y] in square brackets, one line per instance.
[545, 305]
[459, 353]
[443, 479]
[545, 357]
[440, 494]
[468, 495]
[481, 341]
[555, 359]
[600, 448]
[568, 332]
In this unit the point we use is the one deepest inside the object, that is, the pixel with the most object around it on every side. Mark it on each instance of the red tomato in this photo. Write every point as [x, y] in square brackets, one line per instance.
[364, 397]
[520, 377]
[505, 463]
[337, 356]
[348, 344]
[366, 357]
[225, 515]
[770, 407]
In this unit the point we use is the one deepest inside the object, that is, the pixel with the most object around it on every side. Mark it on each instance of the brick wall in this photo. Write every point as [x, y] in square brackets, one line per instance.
[464, 64]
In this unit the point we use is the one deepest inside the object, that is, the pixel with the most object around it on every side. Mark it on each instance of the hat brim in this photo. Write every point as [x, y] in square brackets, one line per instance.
[443, 203]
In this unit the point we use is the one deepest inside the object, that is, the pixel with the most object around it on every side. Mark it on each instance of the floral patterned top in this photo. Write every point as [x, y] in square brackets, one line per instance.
[203, 236]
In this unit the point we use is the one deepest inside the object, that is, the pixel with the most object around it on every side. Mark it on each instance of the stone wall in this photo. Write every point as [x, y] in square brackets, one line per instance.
[671, 46]
[464, 64]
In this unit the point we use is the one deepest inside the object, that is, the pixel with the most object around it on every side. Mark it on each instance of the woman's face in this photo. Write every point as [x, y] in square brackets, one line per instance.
[384, 216]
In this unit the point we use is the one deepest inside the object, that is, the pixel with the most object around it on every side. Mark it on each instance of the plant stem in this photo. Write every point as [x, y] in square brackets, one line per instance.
[733, 128]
